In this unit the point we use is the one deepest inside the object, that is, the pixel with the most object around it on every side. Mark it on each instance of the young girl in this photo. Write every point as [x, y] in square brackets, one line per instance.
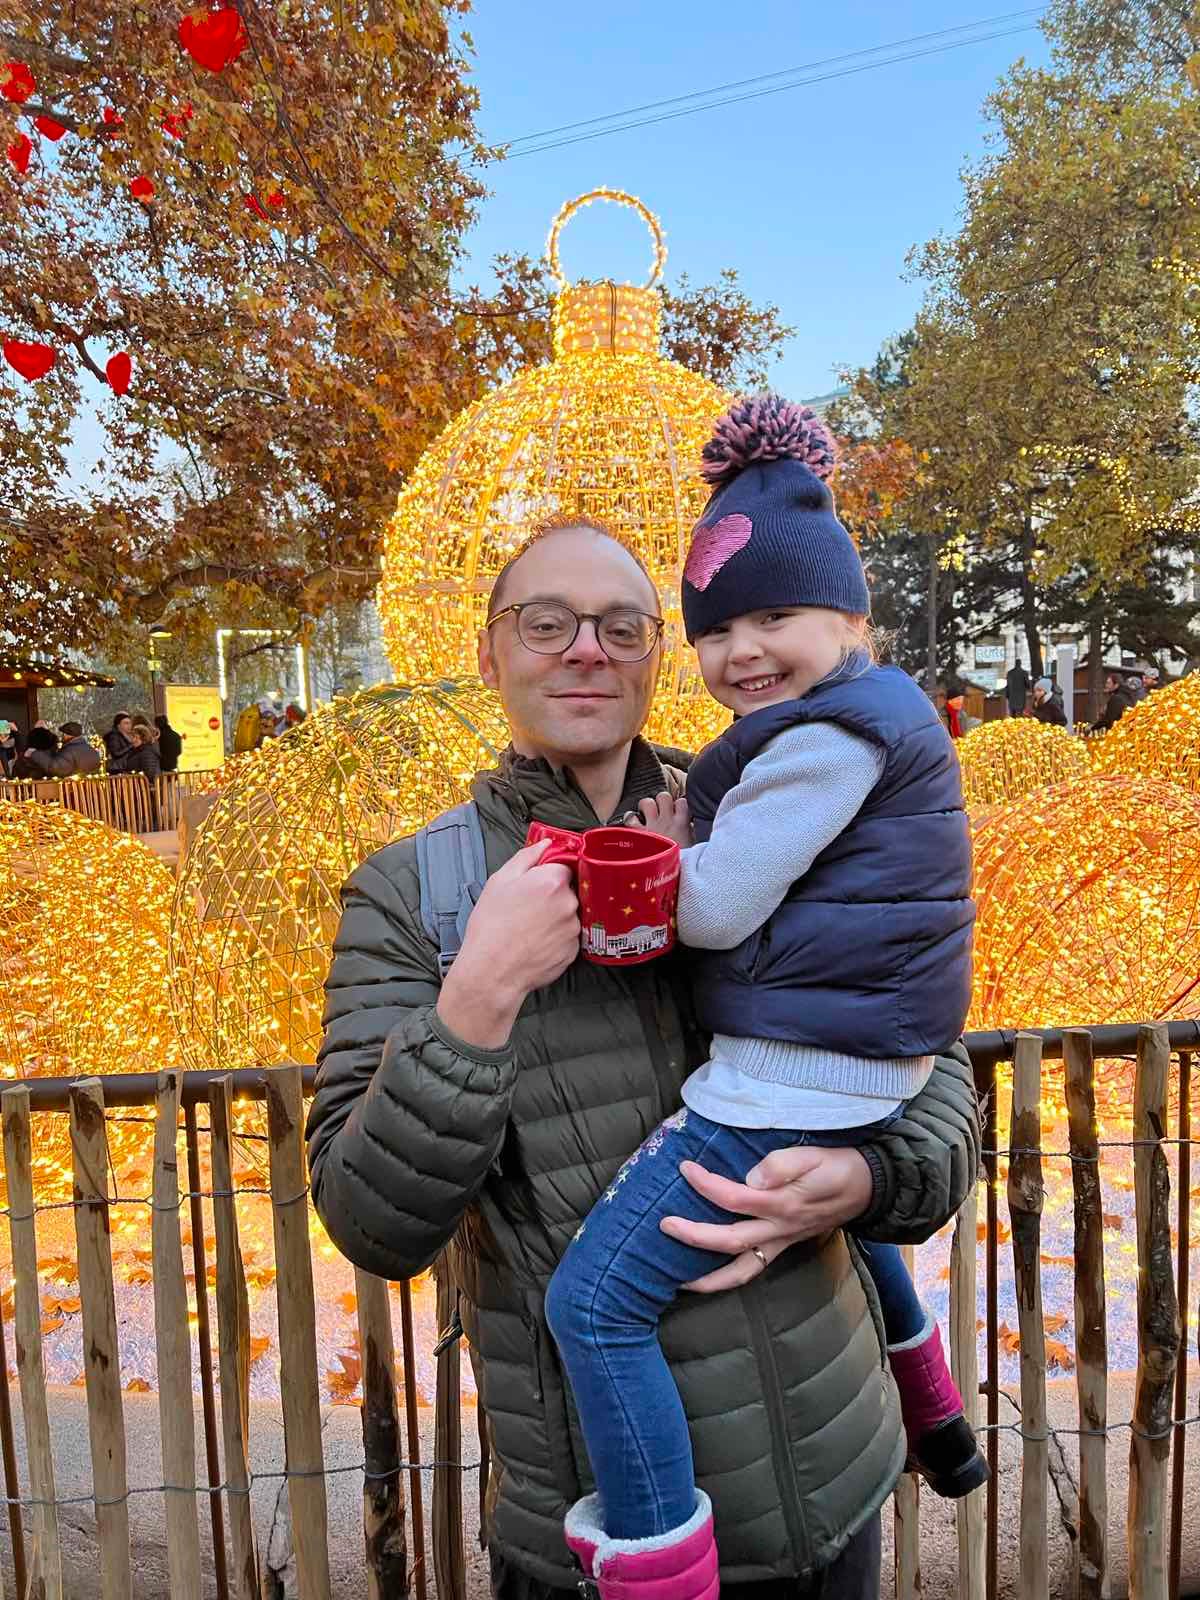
[827, 898]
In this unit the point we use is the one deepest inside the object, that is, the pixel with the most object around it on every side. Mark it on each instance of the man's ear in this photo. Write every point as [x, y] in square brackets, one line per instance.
[487, 660]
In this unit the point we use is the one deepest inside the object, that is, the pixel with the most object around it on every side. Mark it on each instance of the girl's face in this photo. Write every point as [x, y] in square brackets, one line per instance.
[765, 657]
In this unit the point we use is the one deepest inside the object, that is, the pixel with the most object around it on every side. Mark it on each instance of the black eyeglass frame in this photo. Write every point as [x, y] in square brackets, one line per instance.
[581, 617]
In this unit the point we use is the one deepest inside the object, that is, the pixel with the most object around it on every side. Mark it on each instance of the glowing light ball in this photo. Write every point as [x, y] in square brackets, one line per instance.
[258, 899]
[1008, 758]
[1089, 906]
[609, 427]
[1159, 737]
[84, 920]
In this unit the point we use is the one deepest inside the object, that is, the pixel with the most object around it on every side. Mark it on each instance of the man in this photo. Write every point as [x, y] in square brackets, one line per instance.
[74, 758]
[1048, 703]
[485, 1118]
[1119, 699]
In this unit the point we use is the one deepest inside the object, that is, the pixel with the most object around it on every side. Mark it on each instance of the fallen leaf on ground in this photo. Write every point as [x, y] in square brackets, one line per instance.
[260, 1343]
[137, 1386]
[1054, 1321]
[1057, 1355]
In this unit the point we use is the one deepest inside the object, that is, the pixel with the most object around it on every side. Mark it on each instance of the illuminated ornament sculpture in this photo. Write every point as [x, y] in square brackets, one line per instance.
[1088, 898]
[84, 919]
[258, 900]
[1157, 738]
[1005, 759]
[610, 428]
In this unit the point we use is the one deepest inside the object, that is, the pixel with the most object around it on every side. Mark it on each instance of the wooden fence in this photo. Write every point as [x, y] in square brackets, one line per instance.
[129, 802]
[393, 1520]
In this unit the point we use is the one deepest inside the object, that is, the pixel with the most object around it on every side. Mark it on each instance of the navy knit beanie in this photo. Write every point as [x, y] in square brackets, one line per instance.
[769, 535]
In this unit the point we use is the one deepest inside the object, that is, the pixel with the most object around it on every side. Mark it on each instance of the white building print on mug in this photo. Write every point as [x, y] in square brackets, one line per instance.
[636, 942]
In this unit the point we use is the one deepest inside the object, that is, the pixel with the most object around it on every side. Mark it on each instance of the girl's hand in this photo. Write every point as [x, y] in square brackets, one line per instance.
[663, 815]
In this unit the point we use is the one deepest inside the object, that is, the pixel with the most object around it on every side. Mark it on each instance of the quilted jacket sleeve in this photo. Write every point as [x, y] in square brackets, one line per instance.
[406, 1119]
[925, 1164]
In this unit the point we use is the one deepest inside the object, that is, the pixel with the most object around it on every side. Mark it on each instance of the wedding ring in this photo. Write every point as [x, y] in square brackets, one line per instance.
[755, 1251]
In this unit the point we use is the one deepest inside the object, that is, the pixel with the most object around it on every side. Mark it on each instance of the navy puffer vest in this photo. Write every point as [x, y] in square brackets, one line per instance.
[870, 951]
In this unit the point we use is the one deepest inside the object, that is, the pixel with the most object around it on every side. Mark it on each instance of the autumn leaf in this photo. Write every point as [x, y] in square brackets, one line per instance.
[1056, 1261]
[1114, 1219]
[348, 1302]
[1054, 1322]
[1010, 1339]
[139, 1276]
[341, 1385]
[52, 1324]
[137, 1386]
[260, 1343]
[60, 1269]
[1057, 1355]
[52, 1306]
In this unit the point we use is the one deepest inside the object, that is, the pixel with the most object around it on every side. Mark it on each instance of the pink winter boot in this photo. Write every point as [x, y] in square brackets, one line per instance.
[679, 1565]
[941, 1442]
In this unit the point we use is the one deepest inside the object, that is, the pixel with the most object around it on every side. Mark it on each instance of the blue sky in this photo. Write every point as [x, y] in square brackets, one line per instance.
[815, 195]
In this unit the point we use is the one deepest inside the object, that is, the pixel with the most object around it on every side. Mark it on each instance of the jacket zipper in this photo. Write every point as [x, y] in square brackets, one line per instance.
[785, 1472]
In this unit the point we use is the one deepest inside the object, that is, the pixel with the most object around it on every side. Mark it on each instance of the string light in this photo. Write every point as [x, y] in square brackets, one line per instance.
[1005, 759]
[258, 899]
[609, 427]
[84, 917]
[1159, 737]
[1088, 896]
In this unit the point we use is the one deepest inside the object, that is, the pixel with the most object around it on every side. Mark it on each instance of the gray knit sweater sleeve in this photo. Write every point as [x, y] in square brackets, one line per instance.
[794, 798]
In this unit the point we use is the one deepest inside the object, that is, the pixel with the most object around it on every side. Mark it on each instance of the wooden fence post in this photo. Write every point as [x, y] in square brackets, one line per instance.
[906, 1512]
[383, 1487]
[174, 1349]
[416, 1496]
[448, 1557]
[1025, 1195]
[45, 1577]
[233, 1338]
[297, 1332]
[964, 1362]
[1158, 1322]
[101, 1357]
[1091, 1333]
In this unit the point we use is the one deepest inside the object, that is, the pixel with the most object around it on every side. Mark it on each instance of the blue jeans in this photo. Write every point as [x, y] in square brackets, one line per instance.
[618, 1276]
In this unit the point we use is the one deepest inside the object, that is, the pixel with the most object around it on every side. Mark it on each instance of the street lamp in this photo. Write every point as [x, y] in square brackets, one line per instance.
[154, 664]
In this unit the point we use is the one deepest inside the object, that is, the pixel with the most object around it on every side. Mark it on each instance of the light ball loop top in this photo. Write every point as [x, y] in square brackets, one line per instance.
[618, 197]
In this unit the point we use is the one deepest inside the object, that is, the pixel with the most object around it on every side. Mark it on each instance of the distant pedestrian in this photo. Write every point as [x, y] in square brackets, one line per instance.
[75, 757]
[1151, 679]
[8, 747]
[294, 715]
[41, 741]
[1048, 703]
[145, 758]
[118, 743]
[1119, 699]
[170, 745]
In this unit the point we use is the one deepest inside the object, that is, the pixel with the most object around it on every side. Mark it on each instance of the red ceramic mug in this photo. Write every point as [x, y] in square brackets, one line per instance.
[628, 884]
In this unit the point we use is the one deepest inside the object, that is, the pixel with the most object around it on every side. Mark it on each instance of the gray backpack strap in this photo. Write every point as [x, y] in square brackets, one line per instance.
[453, 871]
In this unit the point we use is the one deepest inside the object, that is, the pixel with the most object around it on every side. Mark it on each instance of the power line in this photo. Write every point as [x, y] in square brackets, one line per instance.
[879, 56]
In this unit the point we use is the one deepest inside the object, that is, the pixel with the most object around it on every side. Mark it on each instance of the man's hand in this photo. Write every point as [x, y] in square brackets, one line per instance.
[666, 815]
[791, 1195]
[523, 933]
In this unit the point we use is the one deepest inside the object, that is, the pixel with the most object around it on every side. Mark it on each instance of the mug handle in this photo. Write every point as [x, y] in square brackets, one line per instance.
[566, 847]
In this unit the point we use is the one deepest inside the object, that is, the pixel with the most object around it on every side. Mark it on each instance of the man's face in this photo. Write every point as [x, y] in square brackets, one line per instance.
[1110, 683]
[577, 705]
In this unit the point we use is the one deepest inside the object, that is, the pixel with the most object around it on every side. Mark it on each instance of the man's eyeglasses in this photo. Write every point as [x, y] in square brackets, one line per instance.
[547, 628]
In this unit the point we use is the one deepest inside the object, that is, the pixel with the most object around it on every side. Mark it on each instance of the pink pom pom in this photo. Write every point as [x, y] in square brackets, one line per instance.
[767, 428]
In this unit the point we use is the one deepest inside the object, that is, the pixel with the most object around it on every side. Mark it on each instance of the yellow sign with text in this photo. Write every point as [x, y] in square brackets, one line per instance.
[195, 714]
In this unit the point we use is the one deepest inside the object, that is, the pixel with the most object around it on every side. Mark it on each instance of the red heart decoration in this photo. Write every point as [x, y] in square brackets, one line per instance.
[18, 82]
[31, 360]
[49, 129]
[173, 126]
[112, 119]
[275, 199]
[214, 40]
[19, 153]
[252, 204]
[118, 372]
[142, 189]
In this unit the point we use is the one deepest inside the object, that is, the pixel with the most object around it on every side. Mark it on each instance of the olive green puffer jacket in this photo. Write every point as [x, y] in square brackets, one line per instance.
[418, 1141]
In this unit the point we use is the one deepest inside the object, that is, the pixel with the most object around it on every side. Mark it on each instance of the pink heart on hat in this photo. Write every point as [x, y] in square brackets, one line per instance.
[713, 546]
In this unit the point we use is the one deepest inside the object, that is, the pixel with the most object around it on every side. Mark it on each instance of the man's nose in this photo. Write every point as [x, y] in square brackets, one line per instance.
[585, 649]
